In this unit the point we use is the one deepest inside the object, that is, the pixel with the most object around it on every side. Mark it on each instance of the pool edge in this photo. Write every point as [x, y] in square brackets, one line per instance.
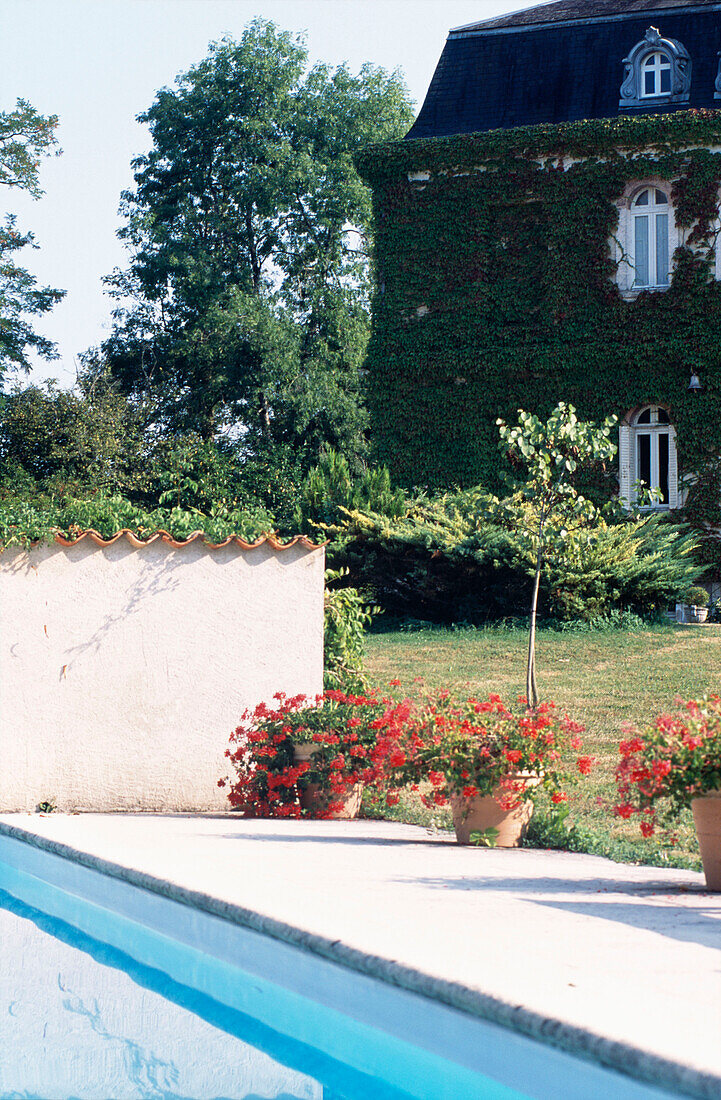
[631, 1061]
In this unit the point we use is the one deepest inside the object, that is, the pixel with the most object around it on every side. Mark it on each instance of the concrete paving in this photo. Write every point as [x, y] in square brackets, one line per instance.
[628, 956]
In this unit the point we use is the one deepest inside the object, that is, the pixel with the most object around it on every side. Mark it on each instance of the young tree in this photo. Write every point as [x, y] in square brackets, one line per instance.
[246, 299]
[25, 136]
[554, 511]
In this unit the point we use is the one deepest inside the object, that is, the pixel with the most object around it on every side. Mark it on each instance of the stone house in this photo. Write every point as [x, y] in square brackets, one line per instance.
[549, 230]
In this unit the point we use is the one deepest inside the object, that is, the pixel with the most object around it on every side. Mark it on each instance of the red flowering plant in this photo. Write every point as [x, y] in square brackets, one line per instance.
[677, 758]
[339, 729]
[471, 747]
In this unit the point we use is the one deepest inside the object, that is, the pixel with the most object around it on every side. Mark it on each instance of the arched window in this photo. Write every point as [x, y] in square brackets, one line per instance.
[656, 69]
[656, 75]
[647, 458]
[650, 253]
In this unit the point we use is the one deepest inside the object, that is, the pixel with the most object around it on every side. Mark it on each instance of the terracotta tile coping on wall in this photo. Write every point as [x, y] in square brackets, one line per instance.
[136, 542]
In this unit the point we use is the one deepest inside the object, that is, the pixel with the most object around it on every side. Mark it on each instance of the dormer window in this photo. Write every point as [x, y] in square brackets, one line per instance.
[656, 75]
[656, 69]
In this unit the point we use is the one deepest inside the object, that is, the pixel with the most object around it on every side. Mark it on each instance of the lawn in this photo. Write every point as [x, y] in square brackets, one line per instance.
[601, 679]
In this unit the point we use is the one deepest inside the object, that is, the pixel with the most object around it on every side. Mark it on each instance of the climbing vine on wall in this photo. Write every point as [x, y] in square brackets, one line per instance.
[497, 289]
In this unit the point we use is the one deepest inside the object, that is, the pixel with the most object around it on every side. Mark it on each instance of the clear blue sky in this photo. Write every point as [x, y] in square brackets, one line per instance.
[98, 63]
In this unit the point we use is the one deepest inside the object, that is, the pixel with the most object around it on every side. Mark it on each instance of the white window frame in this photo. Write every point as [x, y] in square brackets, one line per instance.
[629, 434]
[623, 245]
[650, 214]
[657, 62]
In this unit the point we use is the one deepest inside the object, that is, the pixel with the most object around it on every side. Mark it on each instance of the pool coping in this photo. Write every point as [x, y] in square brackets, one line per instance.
[649, 1068]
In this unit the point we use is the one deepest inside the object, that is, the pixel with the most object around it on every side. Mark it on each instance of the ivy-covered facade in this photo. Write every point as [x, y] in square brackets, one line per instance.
[573, 261]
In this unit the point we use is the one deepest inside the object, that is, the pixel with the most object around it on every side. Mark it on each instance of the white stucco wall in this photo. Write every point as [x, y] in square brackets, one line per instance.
[124, 669]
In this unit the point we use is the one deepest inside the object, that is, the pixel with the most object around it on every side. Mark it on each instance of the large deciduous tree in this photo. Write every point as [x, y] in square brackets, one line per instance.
[245, 304]
[25, 137]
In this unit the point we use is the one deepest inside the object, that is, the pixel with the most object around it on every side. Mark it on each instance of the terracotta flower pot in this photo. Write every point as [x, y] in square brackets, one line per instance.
[477, 815]
[315, 798]
[707, 819]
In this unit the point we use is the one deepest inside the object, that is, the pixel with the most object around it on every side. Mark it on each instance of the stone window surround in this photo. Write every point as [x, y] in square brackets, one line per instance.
[622, 244]
[627, 459]
[632, 92]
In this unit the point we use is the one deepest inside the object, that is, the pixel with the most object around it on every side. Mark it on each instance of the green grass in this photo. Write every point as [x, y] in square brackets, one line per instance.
[601, 679]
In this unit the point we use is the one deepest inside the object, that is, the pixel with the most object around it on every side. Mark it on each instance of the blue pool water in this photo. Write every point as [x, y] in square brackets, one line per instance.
[111, 991]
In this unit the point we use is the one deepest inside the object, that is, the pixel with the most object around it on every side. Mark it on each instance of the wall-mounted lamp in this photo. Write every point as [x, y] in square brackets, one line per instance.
[695, 383]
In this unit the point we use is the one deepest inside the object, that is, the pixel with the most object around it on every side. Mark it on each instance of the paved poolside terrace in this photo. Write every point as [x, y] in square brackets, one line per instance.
[618, 963]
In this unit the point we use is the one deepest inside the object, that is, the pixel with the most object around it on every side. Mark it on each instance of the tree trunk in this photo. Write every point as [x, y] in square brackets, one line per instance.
[531, 688]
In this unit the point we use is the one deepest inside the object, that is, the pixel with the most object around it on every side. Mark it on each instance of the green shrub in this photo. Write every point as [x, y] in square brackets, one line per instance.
[331, 487]
[346, 618]
[456, 557]
[23, 522]
[696, 596]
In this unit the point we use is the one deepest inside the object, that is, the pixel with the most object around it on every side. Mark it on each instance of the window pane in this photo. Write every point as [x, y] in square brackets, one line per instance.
[663, 467]
[665, 80]
[661, 249]
[644, 459]
[649, 82]
[641, 251]
[644, 417]
[662, 416]
[661, 199]
[642, 199]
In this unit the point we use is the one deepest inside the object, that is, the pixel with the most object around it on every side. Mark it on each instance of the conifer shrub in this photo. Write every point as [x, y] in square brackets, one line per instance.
[331, 486]
[456, 558]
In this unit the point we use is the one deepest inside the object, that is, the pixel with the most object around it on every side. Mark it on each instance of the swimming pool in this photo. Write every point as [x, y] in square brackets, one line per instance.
[117, 991]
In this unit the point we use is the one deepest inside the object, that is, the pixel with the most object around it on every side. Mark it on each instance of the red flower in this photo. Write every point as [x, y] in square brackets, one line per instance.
[584, 765]
[646, 828]
[628, 747]
[559, 796]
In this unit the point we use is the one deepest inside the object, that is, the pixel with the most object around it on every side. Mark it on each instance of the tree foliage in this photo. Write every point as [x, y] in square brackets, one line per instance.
[25, 137]
[549, 455]
[66, 440]
[245, 302]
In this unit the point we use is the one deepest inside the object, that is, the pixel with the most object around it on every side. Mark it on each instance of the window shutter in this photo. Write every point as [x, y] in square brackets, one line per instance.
[673, 493]
[624, 463]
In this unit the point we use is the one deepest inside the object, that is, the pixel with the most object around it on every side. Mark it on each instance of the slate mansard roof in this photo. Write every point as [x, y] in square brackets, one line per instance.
[561, 62]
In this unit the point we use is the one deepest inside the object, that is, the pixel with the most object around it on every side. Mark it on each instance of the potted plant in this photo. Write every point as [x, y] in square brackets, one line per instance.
[305, 756]
[675, 763]
[487, 762]
[694, 609]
